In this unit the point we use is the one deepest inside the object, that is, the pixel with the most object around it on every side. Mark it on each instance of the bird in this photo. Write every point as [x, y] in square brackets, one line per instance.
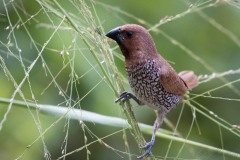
[152, 79]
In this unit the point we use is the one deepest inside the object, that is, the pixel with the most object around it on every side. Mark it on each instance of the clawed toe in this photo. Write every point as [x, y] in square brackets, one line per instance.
[126, 96]
[145, 154]
[148, 146]
[123, 96]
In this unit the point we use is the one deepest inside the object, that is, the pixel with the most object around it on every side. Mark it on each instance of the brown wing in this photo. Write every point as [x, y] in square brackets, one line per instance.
[170, 80]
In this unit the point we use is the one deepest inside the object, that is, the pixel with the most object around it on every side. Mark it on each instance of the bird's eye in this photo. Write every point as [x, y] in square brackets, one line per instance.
[129, 34]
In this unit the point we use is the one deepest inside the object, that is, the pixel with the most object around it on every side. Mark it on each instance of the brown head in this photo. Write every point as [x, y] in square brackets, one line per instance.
[138, 46]
[134, 41]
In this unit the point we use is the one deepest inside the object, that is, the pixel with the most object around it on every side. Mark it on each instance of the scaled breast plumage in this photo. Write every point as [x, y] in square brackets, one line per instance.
[144, 80]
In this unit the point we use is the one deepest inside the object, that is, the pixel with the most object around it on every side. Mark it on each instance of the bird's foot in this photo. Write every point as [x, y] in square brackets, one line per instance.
[126, 96]
[148, 146]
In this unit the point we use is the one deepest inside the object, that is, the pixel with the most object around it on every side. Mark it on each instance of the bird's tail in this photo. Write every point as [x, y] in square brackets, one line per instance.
[190, 79]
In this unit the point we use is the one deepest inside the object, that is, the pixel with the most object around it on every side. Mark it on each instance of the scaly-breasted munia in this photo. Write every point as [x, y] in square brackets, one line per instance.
[152, 79]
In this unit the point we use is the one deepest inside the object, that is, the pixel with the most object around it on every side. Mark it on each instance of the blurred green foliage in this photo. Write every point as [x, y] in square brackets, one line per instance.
[212, 34]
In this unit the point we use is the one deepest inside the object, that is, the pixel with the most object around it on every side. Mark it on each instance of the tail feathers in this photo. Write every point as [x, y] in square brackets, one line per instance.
[189, 78]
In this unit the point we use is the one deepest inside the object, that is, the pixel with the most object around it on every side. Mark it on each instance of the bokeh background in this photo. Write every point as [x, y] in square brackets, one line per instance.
[209, 38]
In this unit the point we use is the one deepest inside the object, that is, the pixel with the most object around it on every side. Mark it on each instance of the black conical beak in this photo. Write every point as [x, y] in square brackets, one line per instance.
[115, 34]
